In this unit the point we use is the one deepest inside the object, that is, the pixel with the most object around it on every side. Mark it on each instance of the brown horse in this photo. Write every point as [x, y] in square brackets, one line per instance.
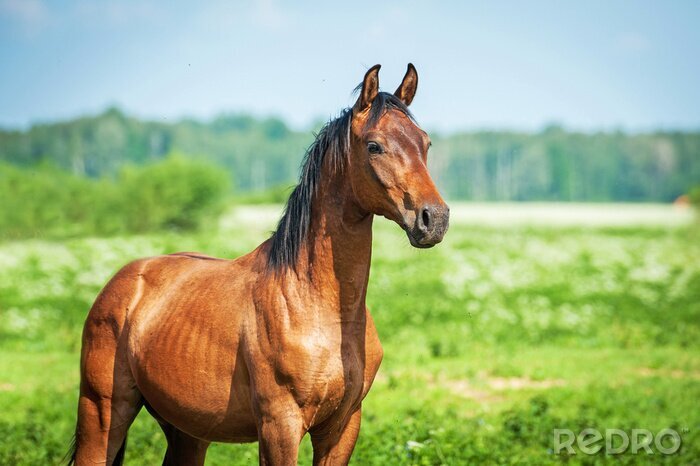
[276, 343]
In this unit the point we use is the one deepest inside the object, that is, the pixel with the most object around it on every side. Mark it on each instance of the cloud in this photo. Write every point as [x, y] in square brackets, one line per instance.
[225, 15]
[269, 15]
[118, 12]
[29, 16]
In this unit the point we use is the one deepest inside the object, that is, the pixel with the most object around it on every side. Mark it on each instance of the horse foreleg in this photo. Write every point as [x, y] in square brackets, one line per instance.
[278, 439]
[335, 447]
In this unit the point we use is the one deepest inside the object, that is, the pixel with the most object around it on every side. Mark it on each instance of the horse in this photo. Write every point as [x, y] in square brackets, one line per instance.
[277, 343]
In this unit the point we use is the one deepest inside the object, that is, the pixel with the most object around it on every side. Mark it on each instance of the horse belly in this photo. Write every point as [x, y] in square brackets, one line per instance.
[192, 374]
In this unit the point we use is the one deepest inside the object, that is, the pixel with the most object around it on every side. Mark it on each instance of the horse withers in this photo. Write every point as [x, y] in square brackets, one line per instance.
[276, 343]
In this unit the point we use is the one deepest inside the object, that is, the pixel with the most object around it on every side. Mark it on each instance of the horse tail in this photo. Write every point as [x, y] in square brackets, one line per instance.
[72, 450]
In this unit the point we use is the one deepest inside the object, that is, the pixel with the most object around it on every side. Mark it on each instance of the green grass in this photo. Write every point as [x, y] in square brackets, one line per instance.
[492, 340]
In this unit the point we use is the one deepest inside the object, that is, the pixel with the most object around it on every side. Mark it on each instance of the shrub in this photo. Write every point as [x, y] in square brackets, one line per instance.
[174, 193]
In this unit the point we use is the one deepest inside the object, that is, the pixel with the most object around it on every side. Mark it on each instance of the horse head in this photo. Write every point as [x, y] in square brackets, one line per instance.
[387, 165]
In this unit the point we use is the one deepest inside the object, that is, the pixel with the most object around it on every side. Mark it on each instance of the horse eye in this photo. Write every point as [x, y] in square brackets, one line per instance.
[374, 148]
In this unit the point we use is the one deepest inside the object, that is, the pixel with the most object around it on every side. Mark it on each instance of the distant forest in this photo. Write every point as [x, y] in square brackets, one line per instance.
[263, 154]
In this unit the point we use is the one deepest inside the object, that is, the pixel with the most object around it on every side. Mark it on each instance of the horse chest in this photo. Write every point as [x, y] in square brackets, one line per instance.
[325, 375]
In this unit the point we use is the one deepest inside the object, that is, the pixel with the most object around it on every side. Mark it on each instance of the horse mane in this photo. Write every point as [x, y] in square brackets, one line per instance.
[332, 142]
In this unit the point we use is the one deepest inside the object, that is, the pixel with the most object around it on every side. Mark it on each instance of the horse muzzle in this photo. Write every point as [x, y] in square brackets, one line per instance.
[430, 226]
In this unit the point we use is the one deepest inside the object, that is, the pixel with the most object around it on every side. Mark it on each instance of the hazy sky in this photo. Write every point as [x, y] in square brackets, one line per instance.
[588, 65]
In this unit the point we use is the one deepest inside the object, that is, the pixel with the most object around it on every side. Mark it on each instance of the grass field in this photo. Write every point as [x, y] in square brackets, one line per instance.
[511, 328]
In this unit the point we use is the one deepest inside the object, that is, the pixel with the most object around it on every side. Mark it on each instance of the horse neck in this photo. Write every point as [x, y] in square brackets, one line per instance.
[340, 247]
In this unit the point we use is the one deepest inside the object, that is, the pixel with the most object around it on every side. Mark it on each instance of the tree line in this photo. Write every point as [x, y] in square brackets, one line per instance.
[260, 154]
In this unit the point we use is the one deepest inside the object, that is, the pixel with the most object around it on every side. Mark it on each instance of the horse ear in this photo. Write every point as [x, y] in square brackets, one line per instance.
[407, 90]
[370, 88]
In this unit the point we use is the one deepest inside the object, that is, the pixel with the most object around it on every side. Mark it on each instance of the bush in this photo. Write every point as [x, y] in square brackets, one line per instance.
[174, 193]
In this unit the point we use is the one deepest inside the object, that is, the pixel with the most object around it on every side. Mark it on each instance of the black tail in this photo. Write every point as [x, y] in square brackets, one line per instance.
[71, 451]
[118, 460]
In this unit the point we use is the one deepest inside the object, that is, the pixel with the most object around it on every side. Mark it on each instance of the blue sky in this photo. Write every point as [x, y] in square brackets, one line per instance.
[588, 65]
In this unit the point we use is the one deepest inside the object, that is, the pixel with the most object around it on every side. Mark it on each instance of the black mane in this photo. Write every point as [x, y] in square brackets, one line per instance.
[332, 141]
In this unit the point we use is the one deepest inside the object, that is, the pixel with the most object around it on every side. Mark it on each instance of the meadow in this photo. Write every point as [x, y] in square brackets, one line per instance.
[524, 320]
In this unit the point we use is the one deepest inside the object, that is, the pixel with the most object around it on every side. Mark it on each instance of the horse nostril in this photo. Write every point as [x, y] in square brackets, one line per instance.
[425, 216]
[430, 225]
